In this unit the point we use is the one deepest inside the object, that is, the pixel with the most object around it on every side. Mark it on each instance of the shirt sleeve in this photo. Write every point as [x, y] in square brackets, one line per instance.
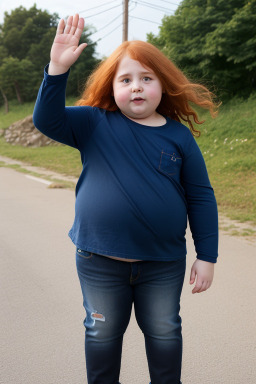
[68, 125]
[202, 206]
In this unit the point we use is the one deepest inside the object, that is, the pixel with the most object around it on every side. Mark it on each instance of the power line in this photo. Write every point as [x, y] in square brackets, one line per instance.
[98, 13]
[105, 26]
[101, 38]
[112, 21]
[98, 6]
[162, 9]
[150, 21]
[135, 2]
[168, 2]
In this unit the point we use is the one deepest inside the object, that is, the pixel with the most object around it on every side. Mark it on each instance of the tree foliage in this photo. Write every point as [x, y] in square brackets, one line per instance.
[214, 42]
[26, 36]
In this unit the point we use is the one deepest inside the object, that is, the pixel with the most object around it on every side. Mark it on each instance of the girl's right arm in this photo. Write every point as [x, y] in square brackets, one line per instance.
[68, 125]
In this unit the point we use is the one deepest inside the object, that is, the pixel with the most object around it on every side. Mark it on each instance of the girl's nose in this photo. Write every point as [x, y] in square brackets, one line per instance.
[136, 88]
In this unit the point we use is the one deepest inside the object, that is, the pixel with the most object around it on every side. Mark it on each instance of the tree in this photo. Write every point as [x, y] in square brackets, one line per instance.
[26, 37]
[22, 28]
[16, 76]
[213, 41]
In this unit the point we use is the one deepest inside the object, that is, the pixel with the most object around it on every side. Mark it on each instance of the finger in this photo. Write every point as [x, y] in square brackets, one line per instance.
[80, 28]
[68, 24]
[197, 287]
[60, 27]
[80, 49]
[203, 287]
[192, 276]
[74, 24]
[208, 285]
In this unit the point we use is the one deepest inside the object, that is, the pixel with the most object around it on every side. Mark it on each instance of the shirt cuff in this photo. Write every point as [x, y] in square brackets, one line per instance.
[210, 259]
[54, 78]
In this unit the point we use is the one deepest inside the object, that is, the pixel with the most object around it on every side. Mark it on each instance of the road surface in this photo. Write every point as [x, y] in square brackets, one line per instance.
[41, 304]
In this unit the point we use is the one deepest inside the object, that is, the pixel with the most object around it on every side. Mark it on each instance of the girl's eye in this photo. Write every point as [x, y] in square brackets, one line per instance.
[126, 81]
[146, 79]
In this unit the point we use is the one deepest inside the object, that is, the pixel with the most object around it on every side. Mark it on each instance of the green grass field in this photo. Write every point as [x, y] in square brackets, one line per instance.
[227, 143]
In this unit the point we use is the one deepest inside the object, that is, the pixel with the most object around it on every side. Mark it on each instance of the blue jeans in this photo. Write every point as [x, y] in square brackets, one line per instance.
[109, 288]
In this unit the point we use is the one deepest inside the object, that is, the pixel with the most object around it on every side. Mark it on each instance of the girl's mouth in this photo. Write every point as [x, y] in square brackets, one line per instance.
[138, 100]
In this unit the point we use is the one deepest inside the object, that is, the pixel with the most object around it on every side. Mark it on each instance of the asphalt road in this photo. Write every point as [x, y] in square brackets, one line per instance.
[42, 334]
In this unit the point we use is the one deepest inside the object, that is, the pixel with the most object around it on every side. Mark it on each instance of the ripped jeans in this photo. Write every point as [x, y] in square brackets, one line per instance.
[109, 288]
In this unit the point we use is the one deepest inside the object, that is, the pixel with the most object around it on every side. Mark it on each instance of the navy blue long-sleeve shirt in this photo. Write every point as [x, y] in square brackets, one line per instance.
[138, 184]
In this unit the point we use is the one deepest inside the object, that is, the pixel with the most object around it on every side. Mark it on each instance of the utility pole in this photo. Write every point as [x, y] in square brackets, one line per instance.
[125, 20]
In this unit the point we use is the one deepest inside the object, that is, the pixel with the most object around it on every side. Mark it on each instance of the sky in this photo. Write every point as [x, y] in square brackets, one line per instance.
[105, 17]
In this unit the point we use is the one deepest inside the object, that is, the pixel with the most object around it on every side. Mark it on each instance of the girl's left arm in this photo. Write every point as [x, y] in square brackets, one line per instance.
[202, 215]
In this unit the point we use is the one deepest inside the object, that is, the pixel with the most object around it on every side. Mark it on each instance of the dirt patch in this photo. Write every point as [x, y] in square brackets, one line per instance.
[246, 230]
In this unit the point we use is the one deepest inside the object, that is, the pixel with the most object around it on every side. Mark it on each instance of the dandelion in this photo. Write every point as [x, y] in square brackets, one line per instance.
[225, 163]
[211, 154]
[231, 148]
[215, 140]
[245, 139]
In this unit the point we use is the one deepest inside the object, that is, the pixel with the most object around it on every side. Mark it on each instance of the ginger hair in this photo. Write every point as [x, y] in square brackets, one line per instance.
[178, 92]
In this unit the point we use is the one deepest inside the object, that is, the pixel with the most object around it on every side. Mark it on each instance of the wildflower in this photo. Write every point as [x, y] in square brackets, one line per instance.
[231, 148]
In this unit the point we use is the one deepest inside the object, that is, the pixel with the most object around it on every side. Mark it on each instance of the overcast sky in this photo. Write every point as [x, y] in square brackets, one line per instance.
[105, 17]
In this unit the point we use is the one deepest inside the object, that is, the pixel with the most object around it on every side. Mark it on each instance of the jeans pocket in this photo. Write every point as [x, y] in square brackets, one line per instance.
[84, 254]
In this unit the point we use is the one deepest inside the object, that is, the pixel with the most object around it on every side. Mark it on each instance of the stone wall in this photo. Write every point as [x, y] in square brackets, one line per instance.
[23, 132]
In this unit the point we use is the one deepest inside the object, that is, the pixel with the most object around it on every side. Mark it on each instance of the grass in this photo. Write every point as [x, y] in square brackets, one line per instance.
[61, 159]
[55, 183]
[227, 144]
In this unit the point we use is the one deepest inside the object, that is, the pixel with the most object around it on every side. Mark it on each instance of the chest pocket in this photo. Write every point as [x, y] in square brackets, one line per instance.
[170, 163]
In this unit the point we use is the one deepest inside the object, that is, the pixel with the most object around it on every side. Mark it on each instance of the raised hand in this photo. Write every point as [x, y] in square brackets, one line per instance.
[65, 48]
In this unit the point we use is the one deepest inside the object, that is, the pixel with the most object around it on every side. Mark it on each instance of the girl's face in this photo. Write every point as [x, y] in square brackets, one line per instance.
[137, 92]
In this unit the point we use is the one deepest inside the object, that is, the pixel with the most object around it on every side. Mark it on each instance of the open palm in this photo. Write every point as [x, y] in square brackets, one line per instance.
[66, 49]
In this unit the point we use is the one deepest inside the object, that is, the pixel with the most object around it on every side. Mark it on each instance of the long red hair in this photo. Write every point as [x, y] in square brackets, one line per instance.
[179, 92]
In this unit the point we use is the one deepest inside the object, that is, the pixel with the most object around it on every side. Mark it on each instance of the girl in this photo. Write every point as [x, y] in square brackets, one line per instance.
[143, 175]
